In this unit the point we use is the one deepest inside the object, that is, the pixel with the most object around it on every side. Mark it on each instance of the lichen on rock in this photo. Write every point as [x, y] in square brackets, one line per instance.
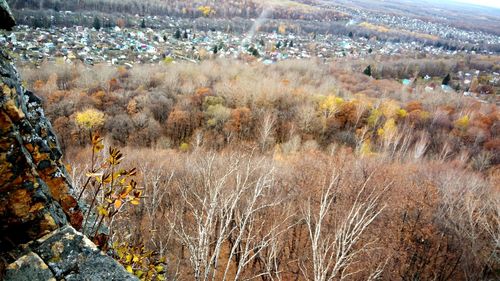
[65, 254]
[35, 194]
[28, 268]
[37, 207]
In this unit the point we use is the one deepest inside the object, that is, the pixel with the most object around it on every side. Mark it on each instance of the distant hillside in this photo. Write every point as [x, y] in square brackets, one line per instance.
[222, 9]
[460, 15]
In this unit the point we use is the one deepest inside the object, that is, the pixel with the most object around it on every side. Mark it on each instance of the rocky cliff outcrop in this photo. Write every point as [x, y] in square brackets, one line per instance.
[35, 192]
[38, 212]
[7, 20]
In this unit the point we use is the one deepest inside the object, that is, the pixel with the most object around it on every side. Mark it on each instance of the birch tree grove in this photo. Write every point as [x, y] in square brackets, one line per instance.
[217, 219]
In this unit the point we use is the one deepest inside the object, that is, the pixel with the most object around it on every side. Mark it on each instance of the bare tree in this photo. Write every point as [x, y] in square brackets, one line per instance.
[334, 250]
[266, 131]
[156, 181]
[470, 210]
[218, 220]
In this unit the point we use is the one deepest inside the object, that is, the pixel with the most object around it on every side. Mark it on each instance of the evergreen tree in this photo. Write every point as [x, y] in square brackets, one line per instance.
[350, 34]
[368, 70]
[446, 80]
[143, 23]
[97, 23]
[254, 52]
[291, 44]
[177, 34]
[215, 50]
[37, 22]
[185, 35]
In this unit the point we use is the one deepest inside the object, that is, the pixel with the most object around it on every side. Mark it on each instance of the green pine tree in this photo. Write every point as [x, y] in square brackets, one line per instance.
[177, 34]
[368, 70]
[446, 80]
[97, 23]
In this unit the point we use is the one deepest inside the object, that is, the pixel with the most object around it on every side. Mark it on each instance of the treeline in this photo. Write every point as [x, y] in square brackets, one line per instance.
[446, 44]
[220, 104]
[400, 68]
[190, 9]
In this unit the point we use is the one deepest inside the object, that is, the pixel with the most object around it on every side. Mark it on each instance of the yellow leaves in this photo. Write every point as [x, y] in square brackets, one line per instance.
[139, 273]
[462, 123]
[168, 60]
[206, 10]
[159, 268]
[113, 186]
[126, 192]
[90, 119]
[329, 105]
[184, 147]
[144, 264]
[118, 203]
[401, 113]
[102, 211]
[375, 115]
[389, 130]
[115, 156]
[128, 258]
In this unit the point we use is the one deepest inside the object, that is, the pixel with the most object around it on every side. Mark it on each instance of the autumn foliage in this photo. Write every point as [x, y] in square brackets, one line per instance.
[283, 172]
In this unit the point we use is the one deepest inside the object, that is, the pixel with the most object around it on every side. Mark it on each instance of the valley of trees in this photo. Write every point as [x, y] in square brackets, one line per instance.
[296, 171]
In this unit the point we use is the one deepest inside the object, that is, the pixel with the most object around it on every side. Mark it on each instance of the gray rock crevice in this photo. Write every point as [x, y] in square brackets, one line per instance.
[65, 254]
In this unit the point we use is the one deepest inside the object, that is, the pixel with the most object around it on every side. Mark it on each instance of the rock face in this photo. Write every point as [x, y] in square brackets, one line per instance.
[35, 194]
[38, 212]
[67, 255]
[6, 19]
